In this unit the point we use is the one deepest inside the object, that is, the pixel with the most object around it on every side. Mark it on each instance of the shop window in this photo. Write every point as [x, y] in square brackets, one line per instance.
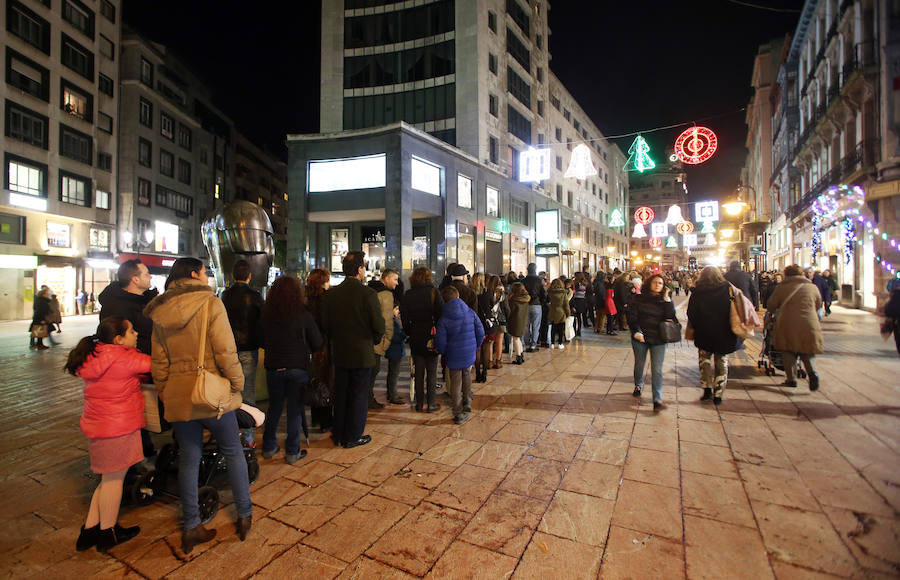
[59, 235]
[426, 176]
[340, 245]
[492, 201]
[463, 191]
[99, 240]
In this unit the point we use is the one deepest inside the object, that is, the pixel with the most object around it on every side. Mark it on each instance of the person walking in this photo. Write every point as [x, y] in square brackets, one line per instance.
[832, 290]
[385, 289]
[419, 313]
[709, 311]
[795, 303]
[290, 334]
[544, 329]
[179, 317]
[354, 323]
[534, 287]
[321, 369]
[40, 327]
[645, 313]
[744, 282]
[244, 307]
[518, 321]
[559, 311]
[892, 311]
[824, 291]
[81, 301]
[458, 335]
[500, 311]
[113, 415]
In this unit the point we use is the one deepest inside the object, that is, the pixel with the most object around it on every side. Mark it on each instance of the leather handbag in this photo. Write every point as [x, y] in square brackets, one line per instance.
[211, 392]
[39, 331]
[317, 393]
[670, 330]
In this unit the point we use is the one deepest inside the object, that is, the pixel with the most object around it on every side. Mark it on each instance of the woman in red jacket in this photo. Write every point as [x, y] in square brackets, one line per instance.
[113, 415]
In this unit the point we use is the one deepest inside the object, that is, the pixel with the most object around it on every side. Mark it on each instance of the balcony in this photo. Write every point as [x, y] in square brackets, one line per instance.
[863, 156]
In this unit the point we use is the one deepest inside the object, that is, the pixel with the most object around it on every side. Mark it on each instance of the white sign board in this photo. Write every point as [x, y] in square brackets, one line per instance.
[343, 174]
[707, 211]
[659, 230]
[534, 165]
[546, 226]
[689, 240]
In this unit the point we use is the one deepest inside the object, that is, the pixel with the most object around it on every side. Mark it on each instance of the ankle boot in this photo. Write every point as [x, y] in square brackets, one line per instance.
[243, 526]
[707, 394]
[111, 537]
[194, 536]
[87, 538]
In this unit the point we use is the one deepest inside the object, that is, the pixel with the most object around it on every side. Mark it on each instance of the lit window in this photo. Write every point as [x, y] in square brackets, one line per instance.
[464, 191]
[492, 195]
[25, 179]
[75, 104]
[102, 199]
[425, 176]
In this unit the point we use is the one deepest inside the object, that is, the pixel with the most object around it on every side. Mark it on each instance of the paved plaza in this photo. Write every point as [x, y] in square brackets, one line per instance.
[560, 473]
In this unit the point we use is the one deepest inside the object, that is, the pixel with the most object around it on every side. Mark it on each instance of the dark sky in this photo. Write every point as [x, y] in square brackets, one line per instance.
[648, 64]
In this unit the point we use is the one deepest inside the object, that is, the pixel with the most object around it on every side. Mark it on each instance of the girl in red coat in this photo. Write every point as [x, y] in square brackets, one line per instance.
[610, 311]
[113, 415]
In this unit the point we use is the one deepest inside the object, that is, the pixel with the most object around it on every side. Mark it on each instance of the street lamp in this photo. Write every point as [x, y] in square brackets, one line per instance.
[737, 205]
[136, 243]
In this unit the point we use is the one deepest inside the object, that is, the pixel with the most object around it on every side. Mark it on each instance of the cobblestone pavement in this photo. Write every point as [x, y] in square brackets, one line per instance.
[561, 473]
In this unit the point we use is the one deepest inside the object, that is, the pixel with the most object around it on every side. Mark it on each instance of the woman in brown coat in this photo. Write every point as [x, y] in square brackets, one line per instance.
[797, 331]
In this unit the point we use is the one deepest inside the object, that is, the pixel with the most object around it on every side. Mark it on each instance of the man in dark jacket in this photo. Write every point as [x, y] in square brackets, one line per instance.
[535, 287]
[824, 290]
[599, 289]
[244, 307]
[458, 280]
[832, 290]
[743, 282]
[351, 317]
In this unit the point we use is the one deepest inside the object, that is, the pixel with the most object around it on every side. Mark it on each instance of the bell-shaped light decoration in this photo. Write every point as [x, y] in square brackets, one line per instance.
[710, 240]
[674, 216]
[639, 231]
[580, 165]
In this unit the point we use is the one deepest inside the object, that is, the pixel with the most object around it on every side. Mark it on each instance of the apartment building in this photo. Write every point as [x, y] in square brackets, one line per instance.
[60, 101]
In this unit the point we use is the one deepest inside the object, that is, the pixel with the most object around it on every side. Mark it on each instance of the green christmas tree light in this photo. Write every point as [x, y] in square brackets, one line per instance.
[708, 228]
[638, 156]
[615, 219]
[671, 243]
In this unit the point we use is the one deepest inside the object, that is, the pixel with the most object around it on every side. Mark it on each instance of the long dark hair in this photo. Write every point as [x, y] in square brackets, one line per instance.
[107, 331]
[183, 268]
[285, 300]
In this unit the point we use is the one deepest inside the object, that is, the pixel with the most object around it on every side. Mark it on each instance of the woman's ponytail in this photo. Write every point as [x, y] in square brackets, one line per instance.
[107, 331]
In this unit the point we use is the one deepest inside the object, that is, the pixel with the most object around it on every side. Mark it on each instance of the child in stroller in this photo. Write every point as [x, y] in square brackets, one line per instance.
[769, 358]
[163, 478]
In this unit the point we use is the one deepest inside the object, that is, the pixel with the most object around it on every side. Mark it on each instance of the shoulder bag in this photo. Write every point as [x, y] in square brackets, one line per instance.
[735, 315]
[211, 392]
[670, 330]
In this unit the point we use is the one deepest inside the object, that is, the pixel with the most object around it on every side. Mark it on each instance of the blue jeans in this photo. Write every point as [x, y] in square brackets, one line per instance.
[533, 330]
[285, 386]
[249, 361]
[657, 356]
[189, 435]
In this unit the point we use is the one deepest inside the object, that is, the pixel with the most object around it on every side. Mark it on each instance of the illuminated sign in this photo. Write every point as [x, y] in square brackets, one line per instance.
[463, 191]
[59, 235]
[546, 250]
[493, 236]
[707, 211]
[166, 237]
[426, 176]
[17, 262]
[27, 201]
[580, 165]
[342, 174]
[534, 165]
[659, 229]
[546, 226]
[615, 218]
[684, 228]
[689, 240]
[644, 215]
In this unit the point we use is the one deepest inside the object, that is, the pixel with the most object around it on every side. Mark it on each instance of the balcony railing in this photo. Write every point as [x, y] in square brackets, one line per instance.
[864, 155]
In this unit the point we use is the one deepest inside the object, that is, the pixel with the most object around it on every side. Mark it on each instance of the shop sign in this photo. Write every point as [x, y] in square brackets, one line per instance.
[546, 226]
[166, 236]
[372, 234]
[59, 235]
[493, 236]
[343, 174]
[18, 262]
[534, 165]
[756, 250]
[466, 230]
[546, 250]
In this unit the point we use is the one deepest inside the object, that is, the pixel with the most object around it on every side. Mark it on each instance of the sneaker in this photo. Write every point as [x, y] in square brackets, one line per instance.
[636, 392]
[552, 346]
[562, 347]
[271, 454]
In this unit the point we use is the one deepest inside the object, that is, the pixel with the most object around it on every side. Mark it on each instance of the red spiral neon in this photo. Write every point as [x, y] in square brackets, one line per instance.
[696, 145]
[643, 215]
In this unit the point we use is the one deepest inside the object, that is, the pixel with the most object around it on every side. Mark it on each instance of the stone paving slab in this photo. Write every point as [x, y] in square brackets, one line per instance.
[560, 473]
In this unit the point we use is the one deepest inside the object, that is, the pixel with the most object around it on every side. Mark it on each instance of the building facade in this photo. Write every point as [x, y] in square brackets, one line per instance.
[60, 100]
[659, 190]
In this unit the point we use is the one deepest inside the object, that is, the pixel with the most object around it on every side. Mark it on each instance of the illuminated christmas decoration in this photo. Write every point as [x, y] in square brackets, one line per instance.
[580, 164]
[639, 231]
[638, 158]
[644, 215]
[655, 242]
[674, 216]
[534, 165]
[673, 158]
[710, 240]
[684, 228]
[708, 228]
[849, 239]
[696, 145]
[707, 211]
[616, 220]
[659, 229]
[689, 240]
[671, 243]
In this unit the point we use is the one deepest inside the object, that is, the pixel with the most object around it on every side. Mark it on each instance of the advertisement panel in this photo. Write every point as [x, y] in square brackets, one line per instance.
[546, 226]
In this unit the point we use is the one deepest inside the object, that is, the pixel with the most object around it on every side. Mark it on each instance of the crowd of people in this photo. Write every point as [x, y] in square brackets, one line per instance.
[332, 339]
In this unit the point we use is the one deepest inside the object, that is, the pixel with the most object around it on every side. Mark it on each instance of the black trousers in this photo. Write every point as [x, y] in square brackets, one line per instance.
[351, 403]
[425, 379]
[557, 332]
[545, 325]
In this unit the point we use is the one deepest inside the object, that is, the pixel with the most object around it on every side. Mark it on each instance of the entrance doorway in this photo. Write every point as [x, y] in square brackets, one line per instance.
[493, 253]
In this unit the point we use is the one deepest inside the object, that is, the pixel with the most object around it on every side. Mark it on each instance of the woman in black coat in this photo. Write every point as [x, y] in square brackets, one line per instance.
[645, 312]
[41, 315]
[709, 309]
[419, 312]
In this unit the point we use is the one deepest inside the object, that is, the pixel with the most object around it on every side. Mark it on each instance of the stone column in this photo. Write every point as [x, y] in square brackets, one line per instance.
[296, 261]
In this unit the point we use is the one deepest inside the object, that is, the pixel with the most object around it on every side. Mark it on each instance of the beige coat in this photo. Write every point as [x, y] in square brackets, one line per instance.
[386, 300]
[176, 319]
[797, 326]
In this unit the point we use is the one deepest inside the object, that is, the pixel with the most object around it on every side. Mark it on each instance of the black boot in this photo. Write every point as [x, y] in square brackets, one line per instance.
[707, 394]
[87, 538]
[111, 537]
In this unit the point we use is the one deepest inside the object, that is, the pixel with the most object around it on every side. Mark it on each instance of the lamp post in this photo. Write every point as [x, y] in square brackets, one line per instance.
[136, 243]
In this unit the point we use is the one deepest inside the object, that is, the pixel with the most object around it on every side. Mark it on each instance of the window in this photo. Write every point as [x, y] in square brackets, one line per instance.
[107, 48]
[79, 16]
[494, 150]
[146, 72]
[492, 21]
[396, 26]
[540, 138]
[204, 156]
[540, 75]
[567, 114]
[184, 171]
[540, 108]
[184, 137]
[104, 161]
[26, 125]
[76, 102]
[426, 176]
[26, 177]
[12, 229]
[99, 240]
[105, 84]
[108, 10]
[492, 201]
[59, 235]
[143, 189]
[77, 57]
[463, 191]
[166, 163]
[518, 211]
[492, 63]
[554, 100]
[415, 106]
[146, 113]
[518, 50]
[145, 153]
[182, 204]
[27, 76]
[74, 189]
[518, 125]
[517, 87]
[570, 198]
[76, 145]
[104, 122]
[102, 199]
[166, 126]
[559, 193]
[539, 41]
[493, 106]
[558, 163]
[519, 16]
[28, 26]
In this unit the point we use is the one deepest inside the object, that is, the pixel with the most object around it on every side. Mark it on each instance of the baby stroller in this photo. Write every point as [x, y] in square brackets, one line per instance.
[163, 478]
[769, 358]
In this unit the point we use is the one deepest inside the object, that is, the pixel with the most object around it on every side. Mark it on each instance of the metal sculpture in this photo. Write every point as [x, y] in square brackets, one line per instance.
[242, 231]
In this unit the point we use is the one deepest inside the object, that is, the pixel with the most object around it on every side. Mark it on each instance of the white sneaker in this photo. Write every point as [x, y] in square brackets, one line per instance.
[562, 347]
[552, 346]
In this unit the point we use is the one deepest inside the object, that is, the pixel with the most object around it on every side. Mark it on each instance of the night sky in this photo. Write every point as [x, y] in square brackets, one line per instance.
[648, 64]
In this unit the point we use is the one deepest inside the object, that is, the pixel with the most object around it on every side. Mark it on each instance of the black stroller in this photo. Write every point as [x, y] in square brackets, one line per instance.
[769, 358]
[163, 478]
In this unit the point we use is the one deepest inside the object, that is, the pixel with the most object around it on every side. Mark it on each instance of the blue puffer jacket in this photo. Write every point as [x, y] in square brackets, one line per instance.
[458, 334]
[396, 350]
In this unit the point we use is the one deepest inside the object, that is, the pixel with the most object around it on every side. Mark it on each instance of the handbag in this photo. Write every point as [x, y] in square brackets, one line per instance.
[211, 392]
[39, 331]
[670, 330]
[317, 393]
[736, 316]
[570, 328]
